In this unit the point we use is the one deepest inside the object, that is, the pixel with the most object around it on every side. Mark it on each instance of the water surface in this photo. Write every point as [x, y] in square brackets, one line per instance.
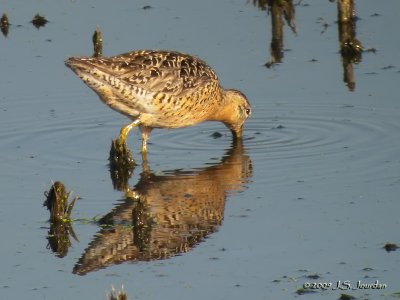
[310, 196]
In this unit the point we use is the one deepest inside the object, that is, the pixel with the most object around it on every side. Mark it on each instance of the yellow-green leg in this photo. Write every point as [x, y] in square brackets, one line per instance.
[145, 136]
[125, 130]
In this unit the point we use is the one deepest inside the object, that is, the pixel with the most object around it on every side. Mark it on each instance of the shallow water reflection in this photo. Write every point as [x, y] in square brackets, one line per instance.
[166, 215]
[323, 199]
[350, 47]
[278, 10]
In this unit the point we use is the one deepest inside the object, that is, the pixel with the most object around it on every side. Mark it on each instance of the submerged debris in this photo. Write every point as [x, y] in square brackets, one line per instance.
[346, 297]
[60, 219]
[97, 43]
[313, 276]
[303, 291]
[391, 247]
[4, 24]
[57, 203]
[39, 21]
[216, 135]
[117, 295]
[279, 127]
[121, 165]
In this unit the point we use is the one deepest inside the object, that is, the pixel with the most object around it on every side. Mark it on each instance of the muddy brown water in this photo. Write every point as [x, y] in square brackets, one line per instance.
[310, 196]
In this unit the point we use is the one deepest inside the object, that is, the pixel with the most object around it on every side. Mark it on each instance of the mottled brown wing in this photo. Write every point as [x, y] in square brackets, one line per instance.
[167, 72]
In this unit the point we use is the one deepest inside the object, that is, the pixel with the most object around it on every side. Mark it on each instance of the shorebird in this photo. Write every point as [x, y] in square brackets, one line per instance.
[162, 89]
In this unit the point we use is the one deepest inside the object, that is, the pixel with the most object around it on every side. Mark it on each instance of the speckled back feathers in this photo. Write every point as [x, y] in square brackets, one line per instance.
[160, 71]
[164, 89]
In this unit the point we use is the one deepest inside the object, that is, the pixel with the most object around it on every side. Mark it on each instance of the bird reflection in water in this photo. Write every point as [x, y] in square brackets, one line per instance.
[166, 215]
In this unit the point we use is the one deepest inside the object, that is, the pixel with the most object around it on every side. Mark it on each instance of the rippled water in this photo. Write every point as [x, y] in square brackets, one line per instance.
[310, 195]
[333, 135]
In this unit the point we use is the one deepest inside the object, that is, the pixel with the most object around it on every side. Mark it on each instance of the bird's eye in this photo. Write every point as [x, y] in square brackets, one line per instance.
[244, 111]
